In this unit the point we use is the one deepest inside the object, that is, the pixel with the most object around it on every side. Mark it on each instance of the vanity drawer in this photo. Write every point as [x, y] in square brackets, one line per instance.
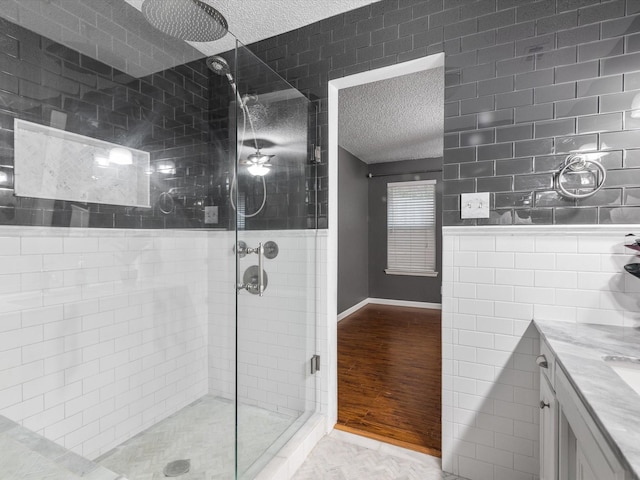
[547, 363]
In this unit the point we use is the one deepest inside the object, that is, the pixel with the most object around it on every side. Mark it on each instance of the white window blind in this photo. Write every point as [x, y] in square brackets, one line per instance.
[411, 228]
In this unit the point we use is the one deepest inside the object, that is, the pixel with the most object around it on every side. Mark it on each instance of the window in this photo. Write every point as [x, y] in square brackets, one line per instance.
[411, 228]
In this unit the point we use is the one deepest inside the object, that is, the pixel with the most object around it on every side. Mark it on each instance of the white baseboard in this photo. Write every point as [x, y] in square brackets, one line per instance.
[385, 301]
[353, 309]
[405, 303]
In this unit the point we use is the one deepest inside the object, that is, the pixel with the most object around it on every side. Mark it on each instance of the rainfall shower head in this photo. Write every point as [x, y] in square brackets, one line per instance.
[190, 20]
[218, 65]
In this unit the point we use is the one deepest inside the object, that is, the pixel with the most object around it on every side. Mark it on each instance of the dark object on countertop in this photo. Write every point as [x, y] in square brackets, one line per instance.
[633, 269]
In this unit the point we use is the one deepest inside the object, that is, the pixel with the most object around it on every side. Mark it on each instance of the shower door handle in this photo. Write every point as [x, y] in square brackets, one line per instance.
[253, 282]
[260, 252]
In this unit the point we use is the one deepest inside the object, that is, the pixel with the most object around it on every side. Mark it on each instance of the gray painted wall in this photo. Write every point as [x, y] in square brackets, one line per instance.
[353, 245]
[400, 287]
[362, 232]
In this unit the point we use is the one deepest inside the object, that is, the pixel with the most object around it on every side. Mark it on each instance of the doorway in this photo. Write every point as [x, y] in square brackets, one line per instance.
[392, 141]
[389, 376]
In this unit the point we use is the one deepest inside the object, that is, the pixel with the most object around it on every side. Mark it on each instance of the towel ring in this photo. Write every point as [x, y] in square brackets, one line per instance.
[578, 163]
[166, 203]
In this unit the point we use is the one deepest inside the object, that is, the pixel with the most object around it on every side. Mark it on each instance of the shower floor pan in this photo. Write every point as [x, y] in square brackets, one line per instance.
[203, 433]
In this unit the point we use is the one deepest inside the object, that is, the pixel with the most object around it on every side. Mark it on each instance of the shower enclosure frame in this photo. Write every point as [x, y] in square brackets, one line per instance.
[277, 92]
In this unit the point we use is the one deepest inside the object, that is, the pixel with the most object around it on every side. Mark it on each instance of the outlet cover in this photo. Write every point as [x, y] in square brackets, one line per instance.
[211, 214]
[474, 205]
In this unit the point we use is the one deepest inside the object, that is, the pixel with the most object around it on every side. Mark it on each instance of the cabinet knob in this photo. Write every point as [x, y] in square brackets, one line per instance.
[543, 405]
[541, 360]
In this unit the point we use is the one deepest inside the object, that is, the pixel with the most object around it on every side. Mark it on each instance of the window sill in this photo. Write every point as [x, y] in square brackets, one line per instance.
[411, 274]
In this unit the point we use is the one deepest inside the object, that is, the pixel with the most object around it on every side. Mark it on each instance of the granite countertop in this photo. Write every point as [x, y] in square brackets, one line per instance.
[26, 454]
[614, 405]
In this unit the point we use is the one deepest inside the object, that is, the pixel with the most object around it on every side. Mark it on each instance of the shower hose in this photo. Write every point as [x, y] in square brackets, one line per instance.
[245, 116]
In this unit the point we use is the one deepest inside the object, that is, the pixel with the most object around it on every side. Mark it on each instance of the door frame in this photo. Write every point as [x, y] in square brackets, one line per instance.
[334, 87]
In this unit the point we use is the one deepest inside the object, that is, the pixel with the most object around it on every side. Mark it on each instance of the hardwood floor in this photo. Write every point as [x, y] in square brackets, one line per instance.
[389, 376]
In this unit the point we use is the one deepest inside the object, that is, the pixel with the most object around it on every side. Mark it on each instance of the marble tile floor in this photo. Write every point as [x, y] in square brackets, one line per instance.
[25, 455]
[344, 456]
[202, 432]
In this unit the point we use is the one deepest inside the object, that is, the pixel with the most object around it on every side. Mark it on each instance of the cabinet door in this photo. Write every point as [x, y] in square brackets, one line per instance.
[548, 431]
[591, 456]
[583, 469]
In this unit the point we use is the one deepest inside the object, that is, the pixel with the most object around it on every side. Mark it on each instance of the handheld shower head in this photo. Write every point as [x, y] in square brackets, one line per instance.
[218, 65]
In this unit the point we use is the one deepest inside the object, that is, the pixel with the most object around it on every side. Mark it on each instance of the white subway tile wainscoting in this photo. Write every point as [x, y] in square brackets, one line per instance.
[274, 328]
[104, 333]
[495, 281]
[107, 334]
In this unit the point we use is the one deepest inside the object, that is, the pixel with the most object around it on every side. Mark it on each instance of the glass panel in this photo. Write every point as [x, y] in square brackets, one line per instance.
[116, 257]
[275, 310]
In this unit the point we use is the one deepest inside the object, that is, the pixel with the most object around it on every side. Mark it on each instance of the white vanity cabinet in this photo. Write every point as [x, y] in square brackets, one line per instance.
[571, 445]
[548, 431]
[548, 416]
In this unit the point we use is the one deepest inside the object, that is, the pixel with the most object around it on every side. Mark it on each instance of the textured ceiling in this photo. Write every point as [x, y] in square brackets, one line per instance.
[396, 119]
[112, 32]
[253, 20]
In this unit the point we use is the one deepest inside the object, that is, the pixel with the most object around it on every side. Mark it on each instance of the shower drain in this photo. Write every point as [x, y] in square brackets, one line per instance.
[177, 468]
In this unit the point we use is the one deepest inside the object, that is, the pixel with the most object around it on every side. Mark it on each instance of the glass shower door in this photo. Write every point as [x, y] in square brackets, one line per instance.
[275, 259]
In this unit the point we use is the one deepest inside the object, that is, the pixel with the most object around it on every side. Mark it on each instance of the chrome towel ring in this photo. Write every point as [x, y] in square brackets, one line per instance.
[576, 163]
[166, 203]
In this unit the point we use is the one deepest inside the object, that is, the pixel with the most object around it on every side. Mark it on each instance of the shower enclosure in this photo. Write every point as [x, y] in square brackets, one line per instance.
[157, 243]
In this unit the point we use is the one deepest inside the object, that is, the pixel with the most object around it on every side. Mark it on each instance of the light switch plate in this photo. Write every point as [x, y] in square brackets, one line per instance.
[474, 205]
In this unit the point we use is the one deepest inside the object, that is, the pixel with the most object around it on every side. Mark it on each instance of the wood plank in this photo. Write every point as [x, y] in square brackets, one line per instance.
[390, 376]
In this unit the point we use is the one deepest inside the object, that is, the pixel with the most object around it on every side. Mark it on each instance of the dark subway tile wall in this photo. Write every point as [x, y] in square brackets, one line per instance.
[290, 202]
[181, 115]
[527, 82]
[161, 114]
